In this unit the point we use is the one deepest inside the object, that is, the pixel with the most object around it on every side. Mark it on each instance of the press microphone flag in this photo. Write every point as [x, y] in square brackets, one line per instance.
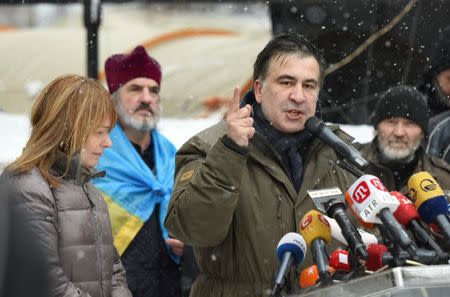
[336, 233]
[370, 199]
[430, 201]
[332, 202]
[407, 215]
[339, 260]
[309, 277]
[360, 197]
[317, 232]
[290, 251]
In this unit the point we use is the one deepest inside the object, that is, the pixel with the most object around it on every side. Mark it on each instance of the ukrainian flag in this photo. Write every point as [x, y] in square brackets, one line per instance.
[130, 188]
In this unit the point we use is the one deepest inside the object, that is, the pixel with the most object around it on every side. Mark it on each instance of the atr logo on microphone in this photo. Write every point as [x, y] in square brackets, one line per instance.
[367, 212]
[306, 221]
[378, 184]
[428, 185]
[361, 192]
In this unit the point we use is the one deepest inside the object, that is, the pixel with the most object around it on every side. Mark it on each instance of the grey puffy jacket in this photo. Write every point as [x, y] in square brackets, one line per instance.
[72, 224]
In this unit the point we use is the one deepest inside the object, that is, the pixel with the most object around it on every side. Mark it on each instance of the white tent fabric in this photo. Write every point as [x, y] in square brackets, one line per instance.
[202, 53]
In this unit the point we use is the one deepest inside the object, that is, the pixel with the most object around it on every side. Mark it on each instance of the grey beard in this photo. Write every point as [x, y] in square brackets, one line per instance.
[403, 156]
[143, 126]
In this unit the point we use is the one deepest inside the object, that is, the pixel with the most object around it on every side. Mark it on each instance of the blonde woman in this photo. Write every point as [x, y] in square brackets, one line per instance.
[50, 183]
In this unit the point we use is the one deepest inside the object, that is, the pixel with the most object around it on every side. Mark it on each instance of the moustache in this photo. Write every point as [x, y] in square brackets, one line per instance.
[291, 105]
[146, 107]
[397, 141]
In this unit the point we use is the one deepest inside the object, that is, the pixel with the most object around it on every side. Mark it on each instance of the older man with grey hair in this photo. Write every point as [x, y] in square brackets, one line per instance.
[139, 177]
[400, 119]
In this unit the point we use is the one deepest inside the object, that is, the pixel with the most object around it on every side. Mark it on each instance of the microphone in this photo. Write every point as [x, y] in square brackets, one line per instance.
[290, 251]
[376, 259]
[368, 197]
[430, 201]
[344, 150]
[317, 231]
[336, 233]
[339, 260]
[407, 215]
[379, 257]
[310, 275]
[332, 202]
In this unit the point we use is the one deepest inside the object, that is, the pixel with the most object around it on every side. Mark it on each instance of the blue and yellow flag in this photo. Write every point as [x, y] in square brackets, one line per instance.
[130, 188]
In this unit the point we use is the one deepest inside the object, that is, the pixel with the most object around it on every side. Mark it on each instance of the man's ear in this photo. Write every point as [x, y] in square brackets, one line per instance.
[257, 86]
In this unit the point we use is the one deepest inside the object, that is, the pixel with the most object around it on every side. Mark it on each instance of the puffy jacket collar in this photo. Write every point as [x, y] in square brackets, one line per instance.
[77, 172]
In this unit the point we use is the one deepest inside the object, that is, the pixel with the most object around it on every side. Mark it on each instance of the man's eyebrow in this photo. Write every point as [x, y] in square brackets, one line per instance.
[153, 88]
[311, 80]
[135, 86]
[286, 76]
[289, 77]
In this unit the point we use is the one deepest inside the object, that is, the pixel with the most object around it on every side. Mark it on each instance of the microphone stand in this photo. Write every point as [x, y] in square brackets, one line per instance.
[346, 165]
[392, 246]
[357, 268]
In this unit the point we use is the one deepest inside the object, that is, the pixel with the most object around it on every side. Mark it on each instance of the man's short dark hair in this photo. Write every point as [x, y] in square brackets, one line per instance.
[287, 43]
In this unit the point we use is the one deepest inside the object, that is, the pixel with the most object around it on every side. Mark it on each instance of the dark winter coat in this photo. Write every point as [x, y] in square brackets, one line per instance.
[439, 169]
[73, 227]
[439, 61]
[439, 136]
[234, 208]
[23, 272]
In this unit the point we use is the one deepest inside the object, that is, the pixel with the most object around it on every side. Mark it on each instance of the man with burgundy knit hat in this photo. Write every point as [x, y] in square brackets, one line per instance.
[139, 178]
[400, 120]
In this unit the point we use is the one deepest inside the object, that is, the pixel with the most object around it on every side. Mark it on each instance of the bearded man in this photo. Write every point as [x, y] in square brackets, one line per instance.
[400, 120]
[139, 177]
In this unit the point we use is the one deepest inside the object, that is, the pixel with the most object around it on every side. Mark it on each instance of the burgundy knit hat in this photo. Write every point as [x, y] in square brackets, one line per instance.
[121, 68]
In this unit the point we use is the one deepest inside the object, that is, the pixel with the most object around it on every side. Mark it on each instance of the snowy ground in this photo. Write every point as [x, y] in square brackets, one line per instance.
[15, 129]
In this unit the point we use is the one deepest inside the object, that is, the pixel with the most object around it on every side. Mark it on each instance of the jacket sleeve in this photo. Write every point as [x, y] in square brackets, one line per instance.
[119, 280]
[206, 192]
[438, 143]
[37, 204]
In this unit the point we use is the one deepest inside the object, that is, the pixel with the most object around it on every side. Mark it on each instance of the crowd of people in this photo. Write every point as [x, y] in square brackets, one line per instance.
[116, 210]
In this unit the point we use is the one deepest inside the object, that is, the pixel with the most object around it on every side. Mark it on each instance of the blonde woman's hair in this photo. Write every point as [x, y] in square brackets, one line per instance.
[63, 115]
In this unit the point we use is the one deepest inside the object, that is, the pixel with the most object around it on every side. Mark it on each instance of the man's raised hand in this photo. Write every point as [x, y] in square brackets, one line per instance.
[239, 121]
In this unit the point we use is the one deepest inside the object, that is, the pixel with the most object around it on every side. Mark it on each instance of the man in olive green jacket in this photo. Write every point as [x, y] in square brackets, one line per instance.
[241, 184]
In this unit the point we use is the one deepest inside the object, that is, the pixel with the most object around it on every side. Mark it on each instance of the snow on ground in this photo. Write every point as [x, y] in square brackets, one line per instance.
[15, 130]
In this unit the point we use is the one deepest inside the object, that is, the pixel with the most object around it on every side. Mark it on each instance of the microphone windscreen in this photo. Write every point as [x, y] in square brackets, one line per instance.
[314, 125]
[310, 275]
[314, 225]
[349, 201]
[339, 260]
[427, 196]
[406, 212]
[375, 259]
[294, 243]
[367, 196]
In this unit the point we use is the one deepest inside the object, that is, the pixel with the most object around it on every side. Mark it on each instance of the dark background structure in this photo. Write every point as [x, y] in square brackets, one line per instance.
[338, 27]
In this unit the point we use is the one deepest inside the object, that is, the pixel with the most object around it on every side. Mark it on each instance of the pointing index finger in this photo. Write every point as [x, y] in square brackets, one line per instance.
[234, 104]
